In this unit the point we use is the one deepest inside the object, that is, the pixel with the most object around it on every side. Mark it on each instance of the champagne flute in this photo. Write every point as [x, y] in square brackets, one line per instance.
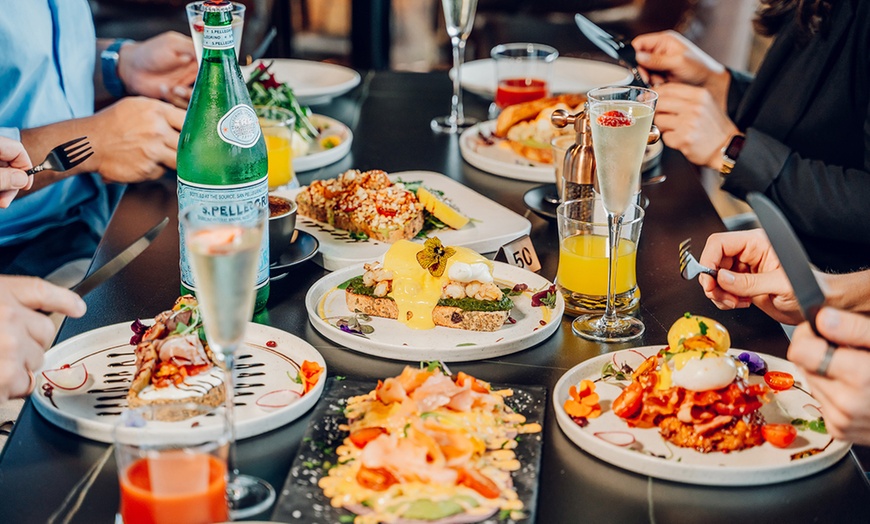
[459, 17]
[225, 257]
[621, 120]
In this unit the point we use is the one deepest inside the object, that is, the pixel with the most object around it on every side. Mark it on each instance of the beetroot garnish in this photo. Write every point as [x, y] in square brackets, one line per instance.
[617, 438]
[138, 329]
[615, 118]
[511, 320]
[519, 288]
[545, 297]
[271, 344]
[580, 421]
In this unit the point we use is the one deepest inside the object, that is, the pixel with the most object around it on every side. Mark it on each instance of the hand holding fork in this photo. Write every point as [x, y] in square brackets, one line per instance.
[689, 267]
[65, 156]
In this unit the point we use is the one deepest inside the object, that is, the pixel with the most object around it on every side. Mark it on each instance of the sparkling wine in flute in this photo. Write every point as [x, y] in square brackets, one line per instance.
[224, 259]
[619, 136]
[459, 18]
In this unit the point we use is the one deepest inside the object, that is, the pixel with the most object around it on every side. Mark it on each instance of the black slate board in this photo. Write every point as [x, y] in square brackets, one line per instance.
[301, 500]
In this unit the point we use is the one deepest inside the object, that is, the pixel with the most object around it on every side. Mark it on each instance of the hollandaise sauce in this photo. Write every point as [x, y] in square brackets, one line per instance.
[415, 290]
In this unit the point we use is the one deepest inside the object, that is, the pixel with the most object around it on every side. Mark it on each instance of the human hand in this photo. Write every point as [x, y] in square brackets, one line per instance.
[844, 391]
[25, 332]
[668, 56]
[134, 139]
[13, 162]
[162, 67]
[749, 273]
[691, 121]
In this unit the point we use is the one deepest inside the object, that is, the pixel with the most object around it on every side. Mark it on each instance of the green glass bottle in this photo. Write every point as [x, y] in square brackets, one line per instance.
[221, 151]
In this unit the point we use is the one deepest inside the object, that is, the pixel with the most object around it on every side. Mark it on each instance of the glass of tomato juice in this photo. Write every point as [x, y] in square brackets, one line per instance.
[523, 72]
[172, 464]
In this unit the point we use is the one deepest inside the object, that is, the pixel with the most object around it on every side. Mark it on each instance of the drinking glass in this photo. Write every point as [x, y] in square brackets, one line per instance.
[621, 119]
[278, 124]
[523, 72]
[225, 257]
[194, 20]
[459, 17]
[584, 256]
[170, 473]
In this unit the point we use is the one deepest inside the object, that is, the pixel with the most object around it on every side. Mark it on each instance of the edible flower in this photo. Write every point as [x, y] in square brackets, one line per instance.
[755, 363]
[308, 375]
[583, 401]
[433, 257]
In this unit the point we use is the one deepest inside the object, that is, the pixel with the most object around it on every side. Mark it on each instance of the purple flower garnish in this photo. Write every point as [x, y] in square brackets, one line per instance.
[756, 364]
[138, 329]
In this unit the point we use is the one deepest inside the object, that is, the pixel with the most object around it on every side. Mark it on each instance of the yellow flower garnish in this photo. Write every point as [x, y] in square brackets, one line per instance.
[433, 257]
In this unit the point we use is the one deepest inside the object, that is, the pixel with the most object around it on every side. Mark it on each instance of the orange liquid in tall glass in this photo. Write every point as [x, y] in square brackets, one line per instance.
[515, 90]
[140, 505]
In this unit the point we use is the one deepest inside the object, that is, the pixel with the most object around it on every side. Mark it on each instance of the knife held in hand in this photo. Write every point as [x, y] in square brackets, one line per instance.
[614, 47]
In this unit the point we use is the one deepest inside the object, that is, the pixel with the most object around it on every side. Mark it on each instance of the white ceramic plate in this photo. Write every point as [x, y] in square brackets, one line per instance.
[312, 82]
[318, 156]
[392, 339]
[496, 157]
[92, 410]
[764, 464]
[492, 225]
[570, 75]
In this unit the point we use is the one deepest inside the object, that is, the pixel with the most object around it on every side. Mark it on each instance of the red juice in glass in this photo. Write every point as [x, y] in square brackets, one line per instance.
[516, 90]
[141, 505]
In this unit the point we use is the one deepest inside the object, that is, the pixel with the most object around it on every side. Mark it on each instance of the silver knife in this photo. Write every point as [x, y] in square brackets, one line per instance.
[119, 261]
[791, 255]
[614, 47]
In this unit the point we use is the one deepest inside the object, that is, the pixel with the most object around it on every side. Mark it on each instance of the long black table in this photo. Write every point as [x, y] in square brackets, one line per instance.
[389, 114]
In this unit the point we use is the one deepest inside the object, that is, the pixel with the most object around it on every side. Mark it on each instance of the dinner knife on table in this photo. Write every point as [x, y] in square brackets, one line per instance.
[791, 255]
[614, 47]
[120, 260]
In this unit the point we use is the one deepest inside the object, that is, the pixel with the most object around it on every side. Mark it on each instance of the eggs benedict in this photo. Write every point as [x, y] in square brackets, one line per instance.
[430, 285]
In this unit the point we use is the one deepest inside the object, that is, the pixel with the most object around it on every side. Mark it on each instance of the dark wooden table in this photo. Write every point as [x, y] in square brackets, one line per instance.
[389, 114]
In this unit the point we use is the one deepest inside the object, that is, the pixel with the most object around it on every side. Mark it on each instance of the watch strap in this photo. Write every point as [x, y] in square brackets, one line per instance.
[109, 67]
[731, 152]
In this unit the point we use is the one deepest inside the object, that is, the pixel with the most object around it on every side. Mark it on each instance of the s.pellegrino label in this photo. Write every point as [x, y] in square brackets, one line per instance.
[239, 126]
[217, 37]
[225, 204]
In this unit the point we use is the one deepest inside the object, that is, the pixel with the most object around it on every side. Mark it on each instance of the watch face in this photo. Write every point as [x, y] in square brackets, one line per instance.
[734, 146]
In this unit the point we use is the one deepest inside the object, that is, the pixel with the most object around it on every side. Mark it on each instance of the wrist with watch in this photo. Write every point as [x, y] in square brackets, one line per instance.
[109, 67]
[731, 152]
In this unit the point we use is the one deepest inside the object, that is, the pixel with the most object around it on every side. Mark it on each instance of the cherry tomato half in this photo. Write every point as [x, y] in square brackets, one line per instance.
[779, 380]
[780, 435]
[376, 479]
[477, 481]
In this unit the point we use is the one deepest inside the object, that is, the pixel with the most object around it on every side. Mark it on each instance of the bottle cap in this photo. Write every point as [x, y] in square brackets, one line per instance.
[216, 6]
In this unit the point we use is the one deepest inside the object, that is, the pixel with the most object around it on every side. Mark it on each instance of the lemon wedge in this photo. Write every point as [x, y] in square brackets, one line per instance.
[441, 209]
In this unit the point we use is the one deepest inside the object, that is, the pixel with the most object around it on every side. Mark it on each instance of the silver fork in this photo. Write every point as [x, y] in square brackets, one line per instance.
[65, 156]
[689, 267]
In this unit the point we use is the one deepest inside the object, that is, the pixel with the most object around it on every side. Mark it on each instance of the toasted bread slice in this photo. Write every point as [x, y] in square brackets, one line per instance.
[511, 115]
[446, 316]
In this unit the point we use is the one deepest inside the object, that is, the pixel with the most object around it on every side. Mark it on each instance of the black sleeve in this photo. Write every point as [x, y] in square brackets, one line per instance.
[819, 199]
[740, 83]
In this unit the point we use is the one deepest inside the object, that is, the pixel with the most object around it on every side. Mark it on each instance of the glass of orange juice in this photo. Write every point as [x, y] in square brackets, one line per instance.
[172, 464]
[278, 126]
[583, 256]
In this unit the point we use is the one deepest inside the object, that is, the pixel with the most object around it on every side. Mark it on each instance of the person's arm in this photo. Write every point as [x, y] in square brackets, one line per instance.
[818, 199]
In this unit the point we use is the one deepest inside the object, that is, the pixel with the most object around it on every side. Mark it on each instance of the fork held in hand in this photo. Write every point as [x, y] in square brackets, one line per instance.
[689, 267]
[65, 156]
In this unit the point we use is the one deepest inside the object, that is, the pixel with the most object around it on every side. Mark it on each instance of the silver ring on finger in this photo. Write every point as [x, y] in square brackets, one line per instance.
[822, 370]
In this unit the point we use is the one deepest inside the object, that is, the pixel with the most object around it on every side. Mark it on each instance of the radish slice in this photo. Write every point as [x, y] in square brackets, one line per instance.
[278, 399]
[67, 377]
[812, 409]
[617, 438]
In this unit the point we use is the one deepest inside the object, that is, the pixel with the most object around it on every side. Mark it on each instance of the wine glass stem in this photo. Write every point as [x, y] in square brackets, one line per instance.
[614, 223]
[457, 112]
[229, 361]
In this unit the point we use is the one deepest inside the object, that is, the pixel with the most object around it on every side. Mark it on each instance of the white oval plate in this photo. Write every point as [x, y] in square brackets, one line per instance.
[764, 464]
[392, 339]
[570, 75]
[312, 82]
[317, 156]
[492, 225]
[499, 159]
[92, 410]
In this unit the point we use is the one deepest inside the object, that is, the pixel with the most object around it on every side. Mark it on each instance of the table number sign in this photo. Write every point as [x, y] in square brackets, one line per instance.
[520, 253]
